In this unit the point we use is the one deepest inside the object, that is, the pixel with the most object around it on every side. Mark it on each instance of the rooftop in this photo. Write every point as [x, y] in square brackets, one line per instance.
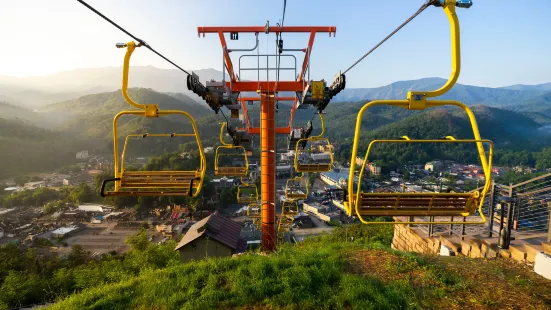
[64, 230]
[219, 228]
[5, 211]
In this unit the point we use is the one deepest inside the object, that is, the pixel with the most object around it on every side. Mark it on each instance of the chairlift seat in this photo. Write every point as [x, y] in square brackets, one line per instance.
[417, 204]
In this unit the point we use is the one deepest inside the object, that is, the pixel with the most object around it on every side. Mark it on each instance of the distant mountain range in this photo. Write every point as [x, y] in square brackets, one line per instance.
[504, 97]
[78, 106]
[39, 90]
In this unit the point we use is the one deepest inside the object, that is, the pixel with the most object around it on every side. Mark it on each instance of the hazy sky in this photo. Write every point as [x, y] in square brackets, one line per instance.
[503, 42]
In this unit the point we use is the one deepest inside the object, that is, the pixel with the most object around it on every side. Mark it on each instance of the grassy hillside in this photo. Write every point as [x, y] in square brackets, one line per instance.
[330, 272]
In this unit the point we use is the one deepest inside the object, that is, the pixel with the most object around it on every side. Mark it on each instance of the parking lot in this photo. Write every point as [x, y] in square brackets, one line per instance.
[100, 238]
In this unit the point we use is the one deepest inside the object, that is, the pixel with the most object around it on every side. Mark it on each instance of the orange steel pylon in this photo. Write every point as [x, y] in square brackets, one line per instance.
[268, 91]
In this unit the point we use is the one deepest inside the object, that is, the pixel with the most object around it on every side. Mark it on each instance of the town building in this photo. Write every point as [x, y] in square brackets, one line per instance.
[35, 185]
[64, 232]
[374, 169]
[213, 236]
[82, 154]
[337, 177]
[90, 207]
[322, 212]
[224, 182]
[433, 166]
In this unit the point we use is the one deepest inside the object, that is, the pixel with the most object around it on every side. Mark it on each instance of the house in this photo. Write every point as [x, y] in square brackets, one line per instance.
[374, 169]
[214, 235]
[64, 232]
[35, 185]
[433, 166]
[82, 155]
[91, 208]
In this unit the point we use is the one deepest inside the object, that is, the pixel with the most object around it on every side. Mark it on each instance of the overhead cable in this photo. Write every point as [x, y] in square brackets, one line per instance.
[421, 9]
[142, 42]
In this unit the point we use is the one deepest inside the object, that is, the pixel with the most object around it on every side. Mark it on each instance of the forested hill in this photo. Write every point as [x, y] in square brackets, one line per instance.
[111, 103]
[390, 122]
[510, 131]
[92, 115]
[27, 148]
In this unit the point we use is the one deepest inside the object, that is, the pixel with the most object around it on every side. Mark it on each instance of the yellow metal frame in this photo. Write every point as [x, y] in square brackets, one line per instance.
[314, 167]
[417, 100]
[247, 199]
[174, 177]
[229, 171]
[475, 198]
[289, 209]
[255, 217]
[297, 180]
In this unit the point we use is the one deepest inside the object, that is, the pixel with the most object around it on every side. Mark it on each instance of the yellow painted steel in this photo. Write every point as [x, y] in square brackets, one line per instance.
[153, 183]
[325, 167]
[296, 188]
[254, 212]
[151, 110]
[417, 100]
[473, 199]
[247, 192]
[240, 152]
[289, 209]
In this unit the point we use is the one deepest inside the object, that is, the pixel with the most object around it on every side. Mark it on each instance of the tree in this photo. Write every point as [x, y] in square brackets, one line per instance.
[228, 196]
[139, 241]
[312, 179]
[78, 256]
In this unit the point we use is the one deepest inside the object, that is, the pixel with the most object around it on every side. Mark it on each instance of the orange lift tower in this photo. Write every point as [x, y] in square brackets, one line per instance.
[226, 93]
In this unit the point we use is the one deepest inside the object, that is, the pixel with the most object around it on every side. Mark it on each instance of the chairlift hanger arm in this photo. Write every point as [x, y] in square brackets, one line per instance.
[149, 109]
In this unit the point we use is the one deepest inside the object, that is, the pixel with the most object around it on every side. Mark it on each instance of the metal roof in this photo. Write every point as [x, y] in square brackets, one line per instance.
[219, 228]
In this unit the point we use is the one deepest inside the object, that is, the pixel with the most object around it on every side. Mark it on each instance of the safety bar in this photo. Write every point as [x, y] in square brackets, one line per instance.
[104, 182]
[449, 139]
[145, 135]
[119, 167]
[231, 147]
[299, 182]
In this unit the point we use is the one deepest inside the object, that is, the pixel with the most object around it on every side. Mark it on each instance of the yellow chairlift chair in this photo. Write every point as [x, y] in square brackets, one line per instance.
[152, 183]
[254, 212]
[421, 204]
[227, 155]
[297, 188]
[314, 154]
[289, 209]
[247, 192]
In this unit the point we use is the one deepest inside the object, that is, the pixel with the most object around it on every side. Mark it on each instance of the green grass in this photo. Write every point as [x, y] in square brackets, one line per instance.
[329, 272]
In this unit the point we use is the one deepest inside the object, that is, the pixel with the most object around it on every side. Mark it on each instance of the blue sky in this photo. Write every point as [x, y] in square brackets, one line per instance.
[503, 42]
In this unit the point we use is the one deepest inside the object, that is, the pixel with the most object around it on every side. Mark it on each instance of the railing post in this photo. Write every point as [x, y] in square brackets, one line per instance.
[451, 226]
[505, 236]
[463, 228]
[549, 223]
[491, 209]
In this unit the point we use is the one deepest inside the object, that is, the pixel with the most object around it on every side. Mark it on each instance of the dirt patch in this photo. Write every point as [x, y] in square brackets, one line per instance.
[457, 282]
